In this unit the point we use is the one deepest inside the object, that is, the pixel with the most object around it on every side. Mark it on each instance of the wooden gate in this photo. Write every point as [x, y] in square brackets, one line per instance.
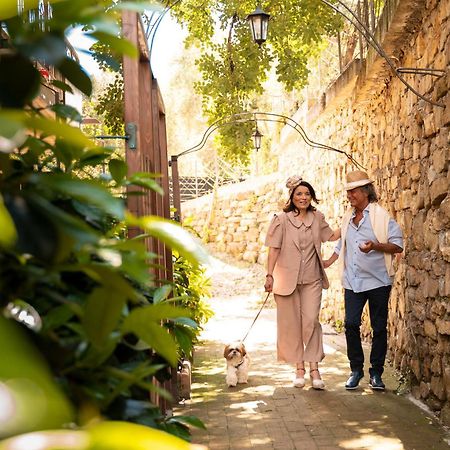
[145, 116]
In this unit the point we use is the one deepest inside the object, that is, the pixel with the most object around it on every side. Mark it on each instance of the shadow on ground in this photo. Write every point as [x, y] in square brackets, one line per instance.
[269, 413]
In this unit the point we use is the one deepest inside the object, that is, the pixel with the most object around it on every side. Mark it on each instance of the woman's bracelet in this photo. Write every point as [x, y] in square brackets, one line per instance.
[269, 275]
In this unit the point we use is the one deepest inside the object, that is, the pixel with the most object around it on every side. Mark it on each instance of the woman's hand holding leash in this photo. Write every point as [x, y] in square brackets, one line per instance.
[268, 285]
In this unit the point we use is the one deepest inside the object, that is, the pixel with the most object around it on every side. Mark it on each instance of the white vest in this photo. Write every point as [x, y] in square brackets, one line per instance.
[379, 219]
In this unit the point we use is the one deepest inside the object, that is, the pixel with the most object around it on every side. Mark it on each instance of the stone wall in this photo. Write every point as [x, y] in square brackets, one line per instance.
[403, 142]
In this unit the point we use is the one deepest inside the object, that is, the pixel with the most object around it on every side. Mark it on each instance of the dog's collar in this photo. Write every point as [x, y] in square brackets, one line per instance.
[239, 364]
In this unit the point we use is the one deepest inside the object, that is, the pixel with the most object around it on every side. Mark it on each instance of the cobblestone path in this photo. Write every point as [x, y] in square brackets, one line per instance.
[268, 412]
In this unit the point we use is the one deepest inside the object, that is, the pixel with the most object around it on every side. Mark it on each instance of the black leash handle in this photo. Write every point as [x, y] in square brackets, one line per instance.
[257, 315]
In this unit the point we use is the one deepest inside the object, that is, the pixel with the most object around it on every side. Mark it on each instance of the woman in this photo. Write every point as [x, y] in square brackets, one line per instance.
[296, 276]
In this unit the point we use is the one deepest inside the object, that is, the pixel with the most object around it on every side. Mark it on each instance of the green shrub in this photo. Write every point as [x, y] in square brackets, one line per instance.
[70, 279]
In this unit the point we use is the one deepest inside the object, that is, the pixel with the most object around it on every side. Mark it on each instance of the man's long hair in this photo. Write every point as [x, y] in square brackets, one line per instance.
[369, 189]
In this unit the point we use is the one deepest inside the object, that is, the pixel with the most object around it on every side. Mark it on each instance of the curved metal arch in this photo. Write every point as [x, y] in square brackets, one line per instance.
[264, 117]
[371, 40]
[153, 28]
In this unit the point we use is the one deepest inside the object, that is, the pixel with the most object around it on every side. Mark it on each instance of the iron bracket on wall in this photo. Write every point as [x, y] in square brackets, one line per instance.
[130, 137]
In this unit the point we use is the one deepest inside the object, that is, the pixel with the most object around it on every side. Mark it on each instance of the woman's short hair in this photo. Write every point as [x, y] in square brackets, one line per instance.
[369, 189]
[290, 204]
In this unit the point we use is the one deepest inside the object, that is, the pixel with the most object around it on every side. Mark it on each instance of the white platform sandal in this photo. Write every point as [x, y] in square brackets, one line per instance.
[317, 383]
[299, 381]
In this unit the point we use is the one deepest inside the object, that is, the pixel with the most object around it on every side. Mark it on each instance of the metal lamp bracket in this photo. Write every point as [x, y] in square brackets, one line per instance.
[131, 136]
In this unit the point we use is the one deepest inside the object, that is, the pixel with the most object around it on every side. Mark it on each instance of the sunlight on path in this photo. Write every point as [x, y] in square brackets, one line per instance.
[268, 412]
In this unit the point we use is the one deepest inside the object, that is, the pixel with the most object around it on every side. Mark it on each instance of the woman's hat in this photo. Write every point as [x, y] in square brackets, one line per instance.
[357, 178]
[293, 182]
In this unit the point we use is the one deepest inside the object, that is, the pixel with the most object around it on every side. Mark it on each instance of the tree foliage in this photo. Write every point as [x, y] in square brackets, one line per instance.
[85, 328]
[234, 68]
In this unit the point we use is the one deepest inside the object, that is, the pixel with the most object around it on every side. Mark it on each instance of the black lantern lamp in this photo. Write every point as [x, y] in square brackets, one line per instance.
[257, 135]
[259, 23]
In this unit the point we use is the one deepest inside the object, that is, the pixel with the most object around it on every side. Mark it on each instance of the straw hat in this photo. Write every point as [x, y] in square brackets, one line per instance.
[357, 178]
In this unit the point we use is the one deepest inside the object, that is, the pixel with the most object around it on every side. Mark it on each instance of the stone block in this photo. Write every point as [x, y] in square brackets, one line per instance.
[431, 239]
[424, 390]
[414, 170]
[424, 149]
[447, 379]
[235, 248]
[242, 229]
[418, 311]
[438, 389]
[413, 277]
[417, 230]
[443, 326]
[439, 190]
[429, 287]
[439, 159]
[418, 201]
[445, 414]
[444, 244]
[405, 199]
[415, 392]
[411, 294]
[444, 283]
[415, 367]
[250, 256]
[429, 329]
[438, 268]
[433, 403]
[436, 366]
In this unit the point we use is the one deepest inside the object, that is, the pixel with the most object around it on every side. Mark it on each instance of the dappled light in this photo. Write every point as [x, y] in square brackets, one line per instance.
[268, 412]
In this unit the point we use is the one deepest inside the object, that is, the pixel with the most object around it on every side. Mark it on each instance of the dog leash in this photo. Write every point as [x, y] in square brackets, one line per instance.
[257, 315]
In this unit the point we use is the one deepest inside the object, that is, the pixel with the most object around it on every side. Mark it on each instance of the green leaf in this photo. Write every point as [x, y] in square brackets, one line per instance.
[139, 7]
[35, 229]
[67, 225]
[8, 234]
[59, 129]
[118, 170]
[92, 157]
[61, 85]
[28, 382]
[102, 314]
[184, 339]
[56, 317]
[67, 112]
[87, 191]
[12, 134]
[71, 70]
[145, 323]
[107, 276]
[172, 235]
[187, 322]
[148, 184]
[160, 311]
[19, 81]
[154, 335]
[161, 293]
[117, 45]
[189, 420]
[48, 47]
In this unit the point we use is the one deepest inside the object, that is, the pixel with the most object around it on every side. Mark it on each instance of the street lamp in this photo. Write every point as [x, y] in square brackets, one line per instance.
[259, 23]
[257, 135]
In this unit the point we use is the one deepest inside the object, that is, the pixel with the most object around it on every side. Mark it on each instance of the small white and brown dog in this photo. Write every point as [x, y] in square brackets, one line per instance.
[238, 363]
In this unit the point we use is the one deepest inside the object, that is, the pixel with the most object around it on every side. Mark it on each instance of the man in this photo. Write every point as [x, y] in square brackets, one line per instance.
[369, 239]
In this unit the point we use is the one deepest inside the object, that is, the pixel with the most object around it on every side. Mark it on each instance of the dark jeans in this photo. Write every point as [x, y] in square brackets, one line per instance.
[378, 309]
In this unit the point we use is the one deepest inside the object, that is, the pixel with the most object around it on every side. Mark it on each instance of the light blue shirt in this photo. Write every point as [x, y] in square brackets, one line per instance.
[366, 271]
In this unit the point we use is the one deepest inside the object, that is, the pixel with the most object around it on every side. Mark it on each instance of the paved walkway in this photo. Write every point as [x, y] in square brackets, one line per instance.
[268, 412]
